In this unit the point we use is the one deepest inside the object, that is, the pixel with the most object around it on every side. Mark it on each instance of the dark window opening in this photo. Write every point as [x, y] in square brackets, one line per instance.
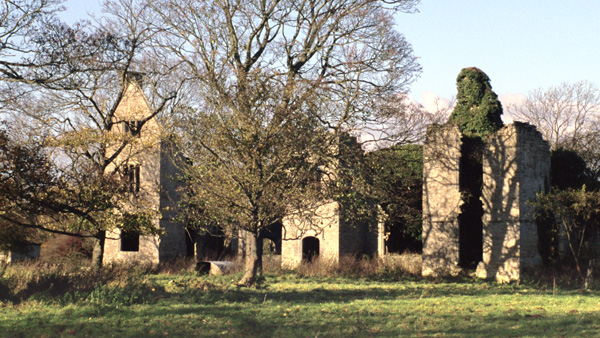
[272, 237]
[131, 176]
[400, 237]
[470, 218]
[133, 127]
[130, 241]
[310, 248]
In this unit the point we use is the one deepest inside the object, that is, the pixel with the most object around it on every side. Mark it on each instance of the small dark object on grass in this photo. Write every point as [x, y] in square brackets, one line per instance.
[214, 267]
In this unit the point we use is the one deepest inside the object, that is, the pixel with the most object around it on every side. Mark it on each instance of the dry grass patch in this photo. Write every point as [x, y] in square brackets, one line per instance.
[404, 264]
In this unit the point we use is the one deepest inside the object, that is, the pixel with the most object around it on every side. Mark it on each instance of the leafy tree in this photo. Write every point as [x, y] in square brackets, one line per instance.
[477, 110]
[275, 85]
[577, 213]
[397, 187]
[36, 194]
[569, 174]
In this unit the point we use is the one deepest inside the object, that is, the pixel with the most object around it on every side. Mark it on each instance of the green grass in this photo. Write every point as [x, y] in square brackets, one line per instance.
[289, 305]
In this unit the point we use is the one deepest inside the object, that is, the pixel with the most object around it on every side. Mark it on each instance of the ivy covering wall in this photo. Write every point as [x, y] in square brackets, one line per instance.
[478, 110]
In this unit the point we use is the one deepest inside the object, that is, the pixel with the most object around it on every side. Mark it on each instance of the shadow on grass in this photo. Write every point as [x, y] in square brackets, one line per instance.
[289, 306]
[250, 318]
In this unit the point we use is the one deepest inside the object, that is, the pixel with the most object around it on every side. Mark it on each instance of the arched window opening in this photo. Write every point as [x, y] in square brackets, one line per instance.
[310, 248]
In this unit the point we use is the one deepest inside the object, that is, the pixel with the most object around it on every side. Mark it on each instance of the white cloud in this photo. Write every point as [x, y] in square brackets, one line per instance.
[432, 103]
[507, 100]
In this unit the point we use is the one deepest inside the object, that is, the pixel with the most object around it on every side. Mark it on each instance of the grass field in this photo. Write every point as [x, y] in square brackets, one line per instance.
[135, 302]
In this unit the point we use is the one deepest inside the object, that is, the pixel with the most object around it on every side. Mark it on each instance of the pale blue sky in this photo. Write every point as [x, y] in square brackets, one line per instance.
[521, 44]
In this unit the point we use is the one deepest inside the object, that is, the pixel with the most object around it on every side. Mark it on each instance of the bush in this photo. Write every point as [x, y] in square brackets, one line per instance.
[576, 212]
[67, 250]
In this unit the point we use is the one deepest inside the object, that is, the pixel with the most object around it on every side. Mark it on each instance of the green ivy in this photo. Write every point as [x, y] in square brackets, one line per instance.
[478, 109]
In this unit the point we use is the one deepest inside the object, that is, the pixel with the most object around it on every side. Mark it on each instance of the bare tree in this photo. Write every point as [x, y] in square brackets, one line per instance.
[567, 115]
[66, 89]
[564, 114]
[277, 82]
[20, 21]
[400, 121]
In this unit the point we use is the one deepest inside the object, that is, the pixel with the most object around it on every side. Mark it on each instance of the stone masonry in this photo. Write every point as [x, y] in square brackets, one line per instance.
[336, 236]
[151, 157]
[322, 223]
[441, 200]
[326, 224]
[516, 166]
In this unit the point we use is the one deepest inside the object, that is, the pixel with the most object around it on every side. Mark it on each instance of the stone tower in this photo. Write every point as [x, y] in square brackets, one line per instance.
[146, 166]
[515, 167]
[442, 200]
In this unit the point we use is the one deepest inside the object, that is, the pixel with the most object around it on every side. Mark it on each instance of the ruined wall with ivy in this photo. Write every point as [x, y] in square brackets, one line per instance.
[516, 166]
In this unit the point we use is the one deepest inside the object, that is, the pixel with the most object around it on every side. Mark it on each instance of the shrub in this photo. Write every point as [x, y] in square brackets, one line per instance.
[577, 213]
[67, 250]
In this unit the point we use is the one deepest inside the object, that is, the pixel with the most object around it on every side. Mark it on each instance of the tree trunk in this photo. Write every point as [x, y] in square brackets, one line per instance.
[252, 261]
[98, 253]
[259, 254]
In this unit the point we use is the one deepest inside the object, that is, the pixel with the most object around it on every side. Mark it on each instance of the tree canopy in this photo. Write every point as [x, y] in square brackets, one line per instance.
[397, 179]
[276, 83]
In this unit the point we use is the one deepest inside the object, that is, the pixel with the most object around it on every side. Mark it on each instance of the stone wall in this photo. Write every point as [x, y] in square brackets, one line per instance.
[337, 237]
[516, 166]
[327, 221]
[441, 200]
[173, 241]
[323, 223]
[147, 252]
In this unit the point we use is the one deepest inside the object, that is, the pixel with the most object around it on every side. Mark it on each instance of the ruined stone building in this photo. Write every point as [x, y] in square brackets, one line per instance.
[492, 225]
[484, 222]
[146, 166]
[326, 231]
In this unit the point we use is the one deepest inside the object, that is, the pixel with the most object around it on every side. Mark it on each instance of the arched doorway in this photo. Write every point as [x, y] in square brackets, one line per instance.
[310, 248]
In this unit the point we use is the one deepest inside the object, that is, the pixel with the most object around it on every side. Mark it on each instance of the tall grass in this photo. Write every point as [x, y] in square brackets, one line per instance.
[38, 280]
[352, 266]
[131, 301]
[134, 283]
